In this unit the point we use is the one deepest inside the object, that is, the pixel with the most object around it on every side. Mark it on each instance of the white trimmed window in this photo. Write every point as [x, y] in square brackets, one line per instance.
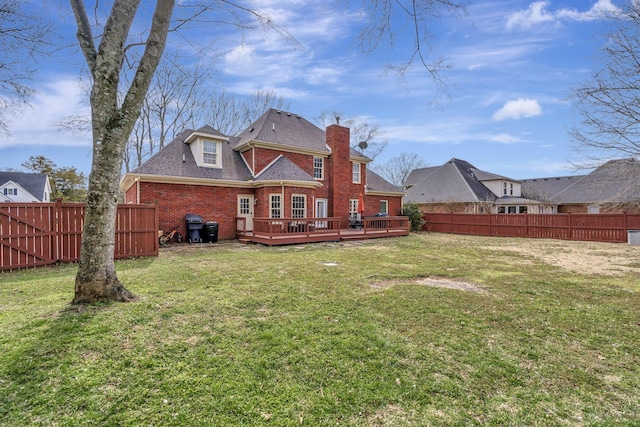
[384, 206]
[210, 153]
[298, 205]
[318, 168]
[275, 204]
[355, 173]
[10, 191]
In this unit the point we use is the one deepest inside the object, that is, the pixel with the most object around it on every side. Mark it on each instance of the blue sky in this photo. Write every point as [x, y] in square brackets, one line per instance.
[513, 65]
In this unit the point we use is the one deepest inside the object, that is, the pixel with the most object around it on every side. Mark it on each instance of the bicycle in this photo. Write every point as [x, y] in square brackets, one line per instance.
[174, 235]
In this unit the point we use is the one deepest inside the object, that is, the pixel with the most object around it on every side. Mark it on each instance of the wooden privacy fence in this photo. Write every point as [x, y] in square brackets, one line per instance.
[588, 227]
[33, 234]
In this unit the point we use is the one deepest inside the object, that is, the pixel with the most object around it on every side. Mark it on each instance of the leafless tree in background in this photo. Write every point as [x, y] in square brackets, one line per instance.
[365, 136]
[22, 36]
[397, 168]
[608, 104]
[231, 114]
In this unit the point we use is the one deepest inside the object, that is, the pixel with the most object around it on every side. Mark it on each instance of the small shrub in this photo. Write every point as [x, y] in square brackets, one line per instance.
[412, 210]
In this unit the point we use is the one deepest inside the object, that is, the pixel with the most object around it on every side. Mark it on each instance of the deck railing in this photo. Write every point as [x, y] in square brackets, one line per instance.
[299, 230]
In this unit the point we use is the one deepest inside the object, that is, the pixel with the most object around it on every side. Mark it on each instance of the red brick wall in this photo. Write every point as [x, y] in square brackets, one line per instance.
[176, 200]
[372, 205]
[339, 174]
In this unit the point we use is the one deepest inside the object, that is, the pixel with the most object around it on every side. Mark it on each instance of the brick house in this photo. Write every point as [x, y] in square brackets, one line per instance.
[281, 166]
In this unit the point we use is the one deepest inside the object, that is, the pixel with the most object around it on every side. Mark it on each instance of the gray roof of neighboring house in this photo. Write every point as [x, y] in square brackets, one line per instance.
[454, 181]
[614, 181]
[418, 175]
[284, 128]
[284, 169]
[168, 161]
[488, 176]
[377, 183]
[547, 188]
[34, 183]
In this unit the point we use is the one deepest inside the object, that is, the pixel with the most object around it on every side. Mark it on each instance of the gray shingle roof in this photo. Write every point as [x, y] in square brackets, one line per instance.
[614, 181]
[455, 181]
[168, 161]
[377, 183]
[284, 128]
[284, 169]
[418, 175]
[548, 188]
[34, 183]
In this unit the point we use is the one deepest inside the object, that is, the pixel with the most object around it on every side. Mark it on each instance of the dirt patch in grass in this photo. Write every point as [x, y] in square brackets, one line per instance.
[438, 282]
[609, 259]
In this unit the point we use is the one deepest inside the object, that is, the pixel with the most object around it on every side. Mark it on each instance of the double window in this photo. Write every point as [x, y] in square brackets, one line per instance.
[10, 191]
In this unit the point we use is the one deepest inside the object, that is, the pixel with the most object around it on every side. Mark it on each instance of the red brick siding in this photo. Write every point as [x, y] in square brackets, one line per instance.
[176, 200]
[339, 172]
[372, 205]
[131, 193]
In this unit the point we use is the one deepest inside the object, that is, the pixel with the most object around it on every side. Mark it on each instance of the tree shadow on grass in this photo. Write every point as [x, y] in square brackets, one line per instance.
[45, 375]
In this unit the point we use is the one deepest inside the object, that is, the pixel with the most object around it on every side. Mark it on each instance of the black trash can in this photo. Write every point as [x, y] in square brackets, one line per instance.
[194, 226]
[211, 232]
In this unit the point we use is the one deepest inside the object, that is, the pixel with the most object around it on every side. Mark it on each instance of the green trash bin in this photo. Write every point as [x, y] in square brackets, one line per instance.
[211, 232]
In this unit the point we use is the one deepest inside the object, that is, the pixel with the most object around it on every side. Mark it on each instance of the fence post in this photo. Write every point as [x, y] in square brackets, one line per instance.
[570, 226]
[57, 238]
[451, 222]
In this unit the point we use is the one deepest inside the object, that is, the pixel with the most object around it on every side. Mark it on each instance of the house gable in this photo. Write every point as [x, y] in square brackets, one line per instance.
[454, 181]
[24, 187]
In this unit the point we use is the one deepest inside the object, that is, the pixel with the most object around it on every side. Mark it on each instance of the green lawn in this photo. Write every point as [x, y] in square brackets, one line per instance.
[328, 334]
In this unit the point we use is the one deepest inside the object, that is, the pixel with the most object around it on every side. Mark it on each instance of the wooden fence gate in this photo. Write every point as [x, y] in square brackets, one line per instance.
[34, 234]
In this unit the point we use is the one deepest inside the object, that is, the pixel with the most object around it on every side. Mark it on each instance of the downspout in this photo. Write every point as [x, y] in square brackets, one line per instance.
[253, 159]
[283, 202]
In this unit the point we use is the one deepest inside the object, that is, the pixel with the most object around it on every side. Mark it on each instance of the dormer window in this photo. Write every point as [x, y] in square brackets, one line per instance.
[210, 153]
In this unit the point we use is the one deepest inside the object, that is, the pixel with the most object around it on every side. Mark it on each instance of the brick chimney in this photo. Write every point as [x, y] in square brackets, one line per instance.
[339, 172]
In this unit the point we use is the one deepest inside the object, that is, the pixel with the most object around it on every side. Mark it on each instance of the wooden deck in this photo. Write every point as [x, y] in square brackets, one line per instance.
[291, 231]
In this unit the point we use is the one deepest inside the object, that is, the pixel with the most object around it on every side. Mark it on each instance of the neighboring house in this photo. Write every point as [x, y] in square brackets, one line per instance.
[458, 186]
[24, 187]
[612, 187]
[281, 166]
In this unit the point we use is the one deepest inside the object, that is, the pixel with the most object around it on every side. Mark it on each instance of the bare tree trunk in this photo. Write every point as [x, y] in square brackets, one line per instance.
[111, 124]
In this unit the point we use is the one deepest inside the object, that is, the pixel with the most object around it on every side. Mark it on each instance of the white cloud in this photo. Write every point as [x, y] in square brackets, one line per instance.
[538, 13]
[505, 138]
[518, 109]
[55, 100]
